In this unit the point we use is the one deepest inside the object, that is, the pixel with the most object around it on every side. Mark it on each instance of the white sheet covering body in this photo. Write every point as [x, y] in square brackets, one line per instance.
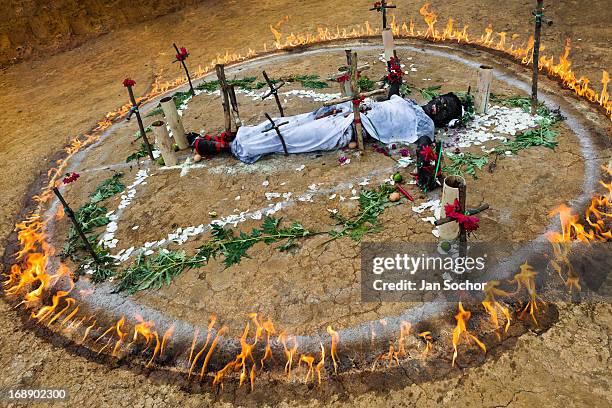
[395, 120]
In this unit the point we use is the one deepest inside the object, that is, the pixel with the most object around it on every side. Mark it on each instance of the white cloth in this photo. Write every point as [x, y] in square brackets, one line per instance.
[395, 120]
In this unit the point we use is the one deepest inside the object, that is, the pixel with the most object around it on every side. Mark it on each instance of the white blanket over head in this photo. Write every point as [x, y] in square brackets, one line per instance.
[395, 120]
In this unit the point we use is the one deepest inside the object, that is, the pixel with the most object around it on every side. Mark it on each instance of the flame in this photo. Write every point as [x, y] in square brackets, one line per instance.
[211, 324]
[526, 279]
[29, 279]
[393, 354]
[320, 364]
[427, 338]
[308, 360]
[143, 329]
[491, 304]
[335, 339]
[462, 317]
[289, 352]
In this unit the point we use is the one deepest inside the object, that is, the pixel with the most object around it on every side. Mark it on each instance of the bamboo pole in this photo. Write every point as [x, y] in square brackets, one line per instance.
[451, 191]
[174, 121]
[388, 43]
[163, 143]
[485, 78]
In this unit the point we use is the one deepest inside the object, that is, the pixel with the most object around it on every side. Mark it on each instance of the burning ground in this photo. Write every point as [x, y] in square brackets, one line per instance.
[189, 221]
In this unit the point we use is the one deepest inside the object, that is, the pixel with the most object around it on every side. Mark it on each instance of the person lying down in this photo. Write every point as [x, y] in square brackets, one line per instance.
[329, 128]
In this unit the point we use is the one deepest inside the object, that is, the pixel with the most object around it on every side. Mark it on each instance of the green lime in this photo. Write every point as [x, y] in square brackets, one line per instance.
[397, 178]
[161, 161]
[446, 246]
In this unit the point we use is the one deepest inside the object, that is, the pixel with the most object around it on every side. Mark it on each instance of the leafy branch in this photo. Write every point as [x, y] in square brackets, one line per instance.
[465, 163]
[153, 272]
[365, 84]
[179, 99]
[427, 93]
[372, 203]
[91, 215]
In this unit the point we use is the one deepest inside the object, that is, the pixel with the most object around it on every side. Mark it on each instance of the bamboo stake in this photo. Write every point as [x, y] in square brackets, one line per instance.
[174, 121]
[485, 78]
[388, 43]
[162, 141]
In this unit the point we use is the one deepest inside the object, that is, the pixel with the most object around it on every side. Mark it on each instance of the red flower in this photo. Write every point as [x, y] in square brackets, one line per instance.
[344, 78]
[357, 102]
[395, 71]
[182, 55]
[127, 82]
[468, 222]
[70, 177]
[452, 208]
[378, 5]
[428, 154]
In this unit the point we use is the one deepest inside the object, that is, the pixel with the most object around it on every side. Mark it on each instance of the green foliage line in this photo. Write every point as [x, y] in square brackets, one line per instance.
[91, 216]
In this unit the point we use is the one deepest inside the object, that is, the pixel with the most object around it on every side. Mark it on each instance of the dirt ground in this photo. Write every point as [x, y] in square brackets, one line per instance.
[279, 291]
[68, 92]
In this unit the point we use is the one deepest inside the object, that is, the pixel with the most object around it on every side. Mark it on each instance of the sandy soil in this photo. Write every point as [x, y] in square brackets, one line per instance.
[55, 106]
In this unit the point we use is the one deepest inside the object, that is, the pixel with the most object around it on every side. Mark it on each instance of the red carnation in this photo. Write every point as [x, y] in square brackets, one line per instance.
[344, 78]
[468, 222]
[359, 101]
[127, 82]
[428, 154]
[182, 55]
[395, 71]
[70, 177]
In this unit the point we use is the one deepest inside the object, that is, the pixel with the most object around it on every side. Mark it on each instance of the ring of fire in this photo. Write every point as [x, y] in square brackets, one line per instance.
[33, 231]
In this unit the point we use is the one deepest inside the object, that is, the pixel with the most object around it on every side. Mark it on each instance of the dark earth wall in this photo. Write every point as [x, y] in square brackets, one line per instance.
[29, 28]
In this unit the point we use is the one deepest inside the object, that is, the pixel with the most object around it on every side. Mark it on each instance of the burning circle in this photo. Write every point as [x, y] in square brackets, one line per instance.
[198, 351]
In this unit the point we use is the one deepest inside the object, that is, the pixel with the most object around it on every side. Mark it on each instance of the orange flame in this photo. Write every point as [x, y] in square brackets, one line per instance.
[335, 339]
[289, 352]
[320, 364]
[462, 317]
[427, 338]
[491, 304]
[526, 279]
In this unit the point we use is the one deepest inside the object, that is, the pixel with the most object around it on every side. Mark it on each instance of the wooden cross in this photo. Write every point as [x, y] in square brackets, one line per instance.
[538, 13]
[275, 127]
[462, 198]
[134, 110]
[382, 6]
[355, 96]
[274, 91]
[234, 102]
[344, 72]
[229, 96]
